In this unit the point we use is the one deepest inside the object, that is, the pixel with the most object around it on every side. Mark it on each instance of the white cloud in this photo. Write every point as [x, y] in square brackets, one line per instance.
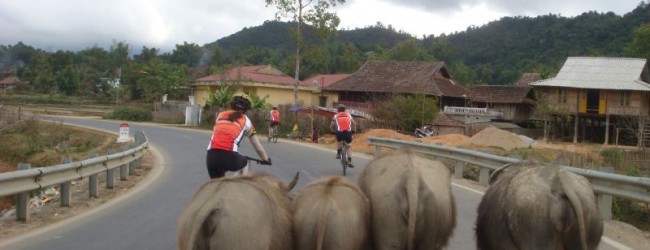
[79, 24]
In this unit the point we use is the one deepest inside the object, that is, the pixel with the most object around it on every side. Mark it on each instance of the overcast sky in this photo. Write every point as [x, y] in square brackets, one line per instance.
[79, 24]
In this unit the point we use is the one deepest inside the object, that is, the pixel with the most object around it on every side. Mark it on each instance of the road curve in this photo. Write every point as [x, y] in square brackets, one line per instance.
[146, 217]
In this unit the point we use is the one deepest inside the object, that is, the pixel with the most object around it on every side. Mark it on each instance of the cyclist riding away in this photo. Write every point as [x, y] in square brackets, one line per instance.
[344, 125]
[274, 119]
[229, 130]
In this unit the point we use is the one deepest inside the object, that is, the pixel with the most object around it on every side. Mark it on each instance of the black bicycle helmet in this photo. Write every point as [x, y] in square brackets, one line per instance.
[341, 107]
[240, 103]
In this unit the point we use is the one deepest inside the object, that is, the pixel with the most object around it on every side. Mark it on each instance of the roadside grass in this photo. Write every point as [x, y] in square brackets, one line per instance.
[42, 144]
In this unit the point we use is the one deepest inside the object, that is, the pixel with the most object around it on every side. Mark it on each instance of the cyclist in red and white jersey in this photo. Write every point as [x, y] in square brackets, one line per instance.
[229, 130]
[274, 119]
[344, 125]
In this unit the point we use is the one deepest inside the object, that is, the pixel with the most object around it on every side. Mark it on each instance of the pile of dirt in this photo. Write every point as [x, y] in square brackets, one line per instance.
[494, 137]
[5, 167]
[449, 140]
[360, 142]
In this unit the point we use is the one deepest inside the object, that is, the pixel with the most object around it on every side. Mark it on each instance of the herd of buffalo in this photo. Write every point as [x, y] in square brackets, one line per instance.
[401, 200]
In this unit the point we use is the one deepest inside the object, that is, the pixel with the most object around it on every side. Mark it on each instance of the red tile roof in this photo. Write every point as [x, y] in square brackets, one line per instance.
[10, 80]
[325, 80]
[259, 73]
[431, 78]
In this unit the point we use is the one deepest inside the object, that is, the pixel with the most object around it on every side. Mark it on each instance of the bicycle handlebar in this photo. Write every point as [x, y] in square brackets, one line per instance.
[261, 162]
[254, 159]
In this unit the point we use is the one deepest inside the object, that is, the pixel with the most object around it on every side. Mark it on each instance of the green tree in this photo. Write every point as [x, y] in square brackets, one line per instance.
[93, 63]
[407, 112]
[316, 60]
[158, 78]
[39, 72]
[313, 12]
[257, 102]
[640, 45]
[68, 80]
[146, 55]
[219, 98]
[188, 54]
[348, 59]
[405, 51]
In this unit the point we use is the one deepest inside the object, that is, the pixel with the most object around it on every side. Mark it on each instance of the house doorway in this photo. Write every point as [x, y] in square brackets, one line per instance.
[593, 97]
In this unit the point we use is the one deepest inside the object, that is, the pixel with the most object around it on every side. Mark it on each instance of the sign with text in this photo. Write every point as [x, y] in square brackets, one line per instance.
[124, 133]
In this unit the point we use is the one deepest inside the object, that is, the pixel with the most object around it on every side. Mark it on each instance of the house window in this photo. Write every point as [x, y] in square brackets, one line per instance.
[322, 101]
[562, 96]
[626, 96]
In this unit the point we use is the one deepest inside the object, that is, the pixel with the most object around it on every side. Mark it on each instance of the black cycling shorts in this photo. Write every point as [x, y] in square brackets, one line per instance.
[274, 123]
[344, 135]
[219, 161]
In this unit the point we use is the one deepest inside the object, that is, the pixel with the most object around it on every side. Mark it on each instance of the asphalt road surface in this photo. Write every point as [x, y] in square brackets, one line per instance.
[146, 219]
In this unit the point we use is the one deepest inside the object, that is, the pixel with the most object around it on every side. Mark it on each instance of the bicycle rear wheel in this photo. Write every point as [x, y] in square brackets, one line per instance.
[275, 135]
[344, 161]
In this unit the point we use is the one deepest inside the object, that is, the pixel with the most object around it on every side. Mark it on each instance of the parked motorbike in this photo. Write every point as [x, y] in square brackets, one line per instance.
[425, 131]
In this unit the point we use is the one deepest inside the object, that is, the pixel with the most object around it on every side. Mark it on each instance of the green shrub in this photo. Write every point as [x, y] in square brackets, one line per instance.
[612, 157]
[634, 213]
[131, 114]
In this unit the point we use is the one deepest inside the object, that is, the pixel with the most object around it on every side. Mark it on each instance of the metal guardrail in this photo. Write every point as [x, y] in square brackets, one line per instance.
[22, 182]
[604, 184]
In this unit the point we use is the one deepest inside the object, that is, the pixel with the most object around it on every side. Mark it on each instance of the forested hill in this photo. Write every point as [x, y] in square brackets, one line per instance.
[495, 53]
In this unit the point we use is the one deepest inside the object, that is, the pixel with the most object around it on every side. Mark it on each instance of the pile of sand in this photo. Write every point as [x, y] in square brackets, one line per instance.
[360, 142]
[449, 140]
[488, 137]
[494, 137]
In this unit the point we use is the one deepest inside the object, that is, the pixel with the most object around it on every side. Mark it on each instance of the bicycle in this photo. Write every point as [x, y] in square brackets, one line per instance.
[345, 164]
[273, 135]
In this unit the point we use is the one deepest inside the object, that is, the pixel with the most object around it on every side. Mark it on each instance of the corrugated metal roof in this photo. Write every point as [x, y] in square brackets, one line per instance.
[600, 73]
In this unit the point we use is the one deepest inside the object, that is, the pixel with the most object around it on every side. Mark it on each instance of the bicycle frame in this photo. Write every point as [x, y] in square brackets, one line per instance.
[273, 135]
[344, 157]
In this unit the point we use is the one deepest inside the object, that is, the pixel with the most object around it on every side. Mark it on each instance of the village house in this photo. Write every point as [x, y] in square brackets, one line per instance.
[9, 82]
[602, 96]
[266, 80]
[513, 104]
[382, 79]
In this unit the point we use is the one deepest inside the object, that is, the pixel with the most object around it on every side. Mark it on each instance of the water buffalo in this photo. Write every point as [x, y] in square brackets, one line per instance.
[331, 213]
[411, 201]
[538, 206]
[241, 212]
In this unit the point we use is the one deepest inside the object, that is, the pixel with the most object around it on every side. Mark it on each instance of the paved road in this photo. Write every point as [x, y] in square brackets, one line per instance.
[147, 219]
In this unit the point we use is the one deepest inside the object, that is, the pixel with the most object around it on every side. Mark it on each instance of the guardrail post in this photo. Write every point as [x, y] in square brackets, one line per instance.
[123, 172]
[110, 174]
[377, 150]
[92, 183]
[132, 163]
[139, 139]
[484, 176]
[605, 200]
[459, 168]
[64, 188]
[22, 199]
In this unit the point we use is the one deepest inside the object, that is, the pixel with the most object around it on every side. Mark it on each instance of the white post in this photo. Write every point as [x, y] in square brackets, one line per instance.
[124, 133]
